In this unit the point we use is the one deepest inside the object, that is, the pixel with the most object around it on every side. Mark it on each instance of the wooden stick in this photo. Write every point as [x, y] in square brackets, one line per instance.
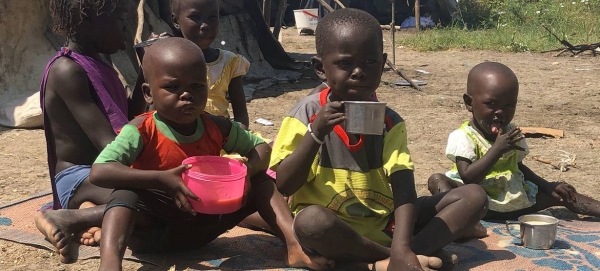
[562, 41]
[140, 25]
[388, 27]
[280, 11]
[562, 166]
[339, 3]
[417, 14]
[393, 28]
[553, 50]
[561, 52]
[548, 162]
[325, 5]
[393, 67]
[267, 12]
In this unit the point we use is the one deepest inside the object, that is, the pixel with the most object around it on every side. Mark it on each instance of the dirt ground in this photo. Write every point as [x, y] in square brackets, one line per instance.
[561, 93]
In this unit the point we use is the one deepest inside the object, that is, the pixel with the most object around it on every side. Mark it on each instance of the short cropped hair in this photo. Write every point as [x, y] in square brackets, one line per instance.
[335, 21]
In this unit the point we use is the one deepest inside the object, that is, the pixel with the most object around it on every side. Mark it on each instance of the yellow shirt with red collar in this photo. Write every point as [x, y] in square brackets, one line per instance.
[351, 180]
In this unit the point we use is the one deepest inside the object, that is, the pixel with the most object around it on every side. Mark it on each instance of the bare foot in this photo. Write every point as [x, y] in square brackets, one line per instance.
[427, 263]
[477, 231]
[91, 236]
[449, 259]
[296, 257]
[51, 225]
[380, 265]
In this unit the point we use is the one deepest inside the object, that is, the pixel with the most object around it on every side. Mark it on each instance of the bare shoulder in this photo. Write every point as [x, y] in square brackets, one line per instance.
[66, 76]
[221, 122]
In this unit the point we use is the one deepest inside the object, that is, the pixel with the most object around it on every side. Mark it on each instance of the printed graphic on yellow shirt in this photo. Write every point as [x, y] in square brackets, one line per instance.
[349, 202]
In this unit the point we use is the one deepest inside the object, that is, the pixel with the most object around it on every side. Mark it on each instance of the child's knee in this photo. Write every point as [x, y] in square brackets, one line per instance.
[122, 198]
[435, 180]
[475, 195]
[314, 222]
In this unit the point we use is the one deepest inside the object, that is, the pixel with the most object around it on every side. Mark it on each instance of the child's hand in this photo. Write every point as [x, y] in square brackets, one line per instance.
[508, 142]
[330, 115]
[562, 191]
[173, 184]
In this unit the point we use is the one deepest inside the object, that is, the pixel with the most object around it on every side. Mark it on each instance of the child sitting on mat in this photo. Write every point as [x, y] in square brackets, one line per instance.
[144, 167]
[353, 196]
[84, 104]
[489, 150]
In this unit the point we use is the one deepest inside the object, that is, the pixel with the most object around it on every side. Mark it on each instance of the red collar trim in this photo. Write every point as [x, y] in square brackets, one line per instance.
[339, 131]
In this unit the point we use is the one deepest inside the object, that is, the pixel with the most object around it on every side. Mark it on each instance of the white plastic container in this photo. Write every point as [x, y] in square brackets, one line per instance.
[306, 18]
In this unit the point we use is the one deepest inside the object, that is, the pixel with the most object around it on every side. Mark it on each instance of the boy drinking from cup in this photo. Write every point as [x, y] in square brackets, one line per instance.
[353, 195]
[489, 150]
[144, 166]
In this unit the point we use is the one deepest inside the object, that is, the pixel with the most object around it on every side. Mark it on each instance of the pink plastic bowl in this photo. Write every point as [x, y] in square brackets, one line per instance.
[218, 182]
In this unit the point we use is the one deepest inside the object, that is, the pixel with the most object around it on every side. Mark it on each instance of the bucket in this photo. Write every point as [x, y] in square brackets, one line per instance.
[536, 231]
[306, 18]
[218, 182]
[365, 118]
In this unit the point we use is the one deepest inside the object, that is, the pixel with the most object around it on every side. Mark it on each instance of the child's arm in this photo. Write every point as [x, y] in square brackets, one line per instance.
[111, 169]
[292, 172]
[475, 172]
[238, 102]
[246, 144]
[560, 191]
[258, 159]
[403, 188]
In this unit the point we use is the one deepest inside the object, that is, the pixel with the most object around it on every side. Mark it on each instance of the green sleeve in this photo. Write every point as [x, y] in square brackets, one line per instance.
[241, 141]
[124, 149]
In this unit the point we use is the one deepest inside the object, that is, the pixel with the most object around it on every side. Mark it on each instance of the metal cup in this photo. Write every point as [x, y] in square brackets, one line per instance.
[366, 118]
[537, 231]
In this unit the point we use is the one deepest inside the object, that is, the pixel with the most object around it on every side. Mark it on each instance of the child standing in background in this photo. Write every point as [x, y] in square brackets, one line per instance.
[198, 21]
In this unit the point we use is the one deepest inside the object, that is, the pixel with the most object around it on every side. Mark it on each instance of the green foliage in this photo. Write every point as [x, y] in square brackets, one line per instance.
[514, 25]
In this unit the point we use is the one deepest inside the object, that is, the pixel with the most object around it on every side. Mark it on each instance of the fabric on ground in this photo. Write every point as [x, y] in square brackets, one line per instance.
[577, 247]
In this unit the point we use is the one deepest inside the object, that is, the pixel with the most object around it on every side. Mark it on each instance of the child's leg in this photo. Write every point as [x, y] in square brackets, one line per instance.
[256, 222]
[87, 192]
[582, 205]
[274, 209]
[320, 231]
[440, 183]
[443, 218]
[118, 223]
[88, 195]
[59, 225]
